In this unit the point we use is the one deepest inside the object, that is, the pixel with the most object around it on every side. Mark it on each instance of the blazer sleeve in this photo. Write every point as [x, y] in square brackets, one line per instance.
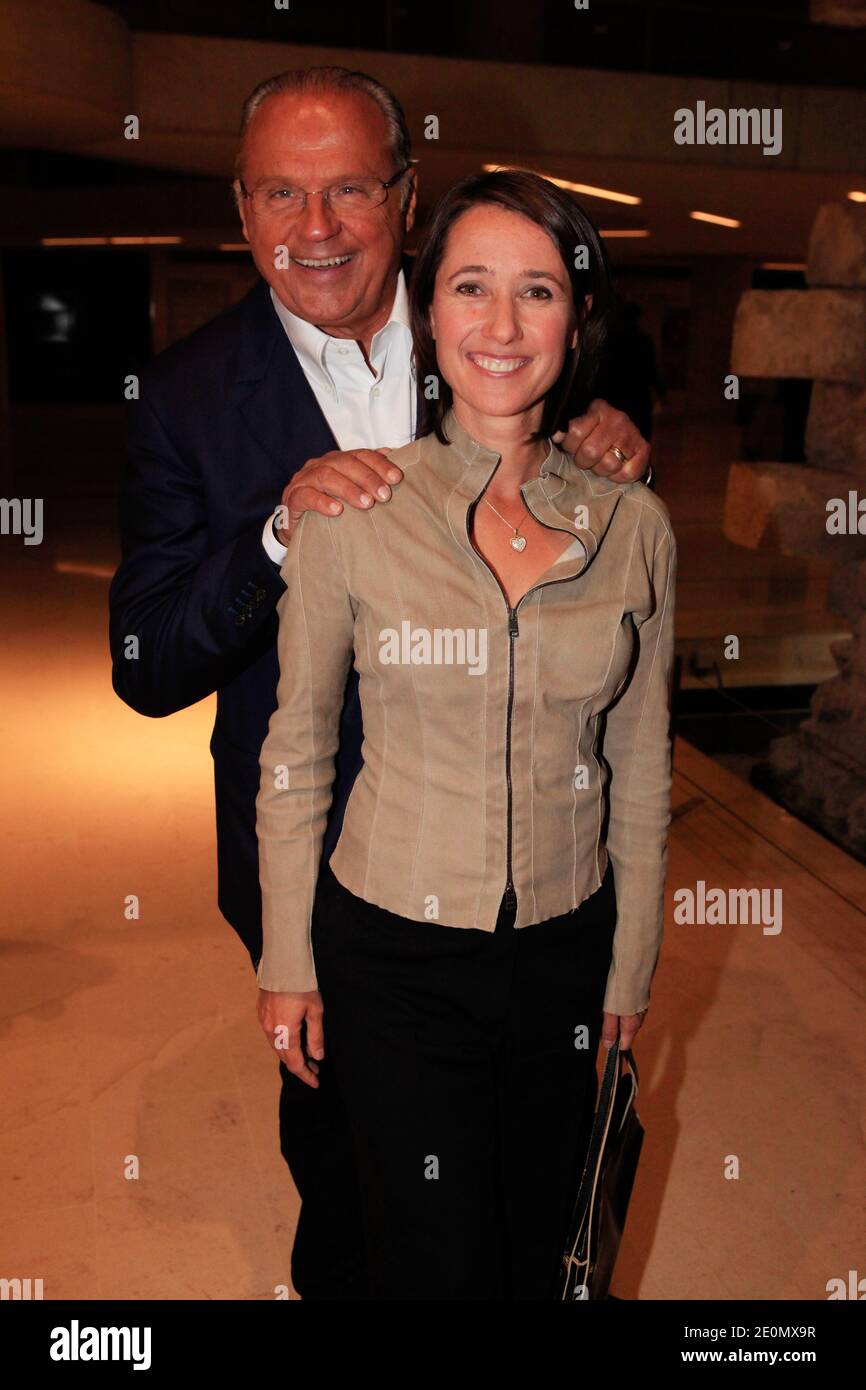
[315, 644]
[637, 748]
[198, 617]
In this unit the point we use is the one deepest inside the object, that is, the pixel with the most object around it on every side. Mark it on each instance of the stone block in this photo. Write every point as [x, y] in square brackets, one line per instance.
[837, 246]
[846, 595]
[801, 333]
[836, 428]
[851, 13]
[820, 784]
[782, 507]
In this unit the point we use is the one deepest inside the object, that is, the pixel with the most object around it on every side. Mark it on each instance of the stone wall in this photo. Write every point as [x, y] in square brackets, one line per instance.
[819, 772]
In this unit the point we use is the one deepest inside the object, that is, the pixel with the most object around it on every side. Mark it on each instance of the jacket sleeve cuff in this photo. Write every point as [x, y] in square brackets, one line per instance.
[287, 978]
[274, 549]
[636, 948]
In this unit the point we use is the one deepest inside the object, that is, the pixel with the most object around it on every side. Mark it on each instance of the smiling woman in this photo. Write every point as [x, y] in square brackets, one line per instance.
[568, 277]
[497, 882]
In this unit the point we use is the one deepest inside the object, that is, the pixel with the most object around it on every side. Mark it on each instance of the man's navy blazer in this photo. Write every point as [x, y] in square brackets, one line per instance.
[224, 419]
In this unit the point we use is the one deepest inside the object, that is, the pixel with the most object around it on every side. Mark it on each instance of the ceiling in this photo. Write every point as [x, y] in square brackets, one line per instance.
[774, 41]
[67, 170]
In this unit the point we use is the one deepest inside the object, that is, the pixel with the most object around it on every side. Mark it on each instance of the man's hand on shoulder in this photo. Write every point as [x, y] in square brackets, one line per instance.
[356, 476]
[592, 439]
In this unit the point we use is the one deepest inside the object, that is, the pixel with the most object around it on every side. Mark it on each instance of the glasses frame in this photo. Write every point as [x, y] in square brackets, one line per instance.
[384, 184]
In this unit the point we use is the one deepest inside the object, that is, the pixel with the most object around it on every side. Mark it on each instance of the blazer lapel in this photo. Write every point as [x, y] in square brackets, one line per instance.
[278, 405]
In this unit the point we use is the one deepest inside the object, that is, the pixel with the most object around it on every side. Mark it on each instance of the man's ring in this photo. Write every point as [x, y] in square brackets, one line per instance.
[618, 454]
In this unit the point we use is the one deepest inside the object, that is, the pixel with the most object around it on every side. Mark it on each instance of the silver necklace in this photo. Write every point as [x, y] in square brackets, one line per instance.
[518, 542]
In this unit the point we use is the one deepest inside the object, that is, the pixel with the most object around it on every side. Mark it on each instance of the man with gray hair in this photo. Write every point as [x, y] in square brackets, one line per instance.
[276, 407]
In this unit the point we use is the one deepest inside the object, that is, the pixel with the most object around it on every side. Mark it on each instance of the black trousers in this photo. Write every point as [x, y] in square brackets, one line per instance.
[328, 1261]
[466, 1060]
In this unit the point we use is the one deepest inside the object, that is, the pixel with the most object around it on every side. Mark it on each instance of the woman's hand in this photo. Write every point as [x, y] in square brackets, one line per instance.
[281, 1016]
[626, 1024]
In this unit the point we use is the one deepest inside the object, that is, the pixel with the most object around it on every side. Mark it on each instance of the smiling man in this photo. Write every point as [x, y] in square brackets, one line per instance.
[276, 407]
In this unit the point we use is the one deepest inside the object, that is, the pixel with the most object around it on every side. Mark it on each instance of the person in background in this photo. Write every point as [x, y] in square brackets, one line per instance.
[630, 373]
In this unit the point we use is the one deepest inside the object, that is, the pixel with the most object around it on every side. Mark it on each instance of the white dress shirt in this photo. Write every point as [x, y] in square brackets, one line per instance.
[364, 411]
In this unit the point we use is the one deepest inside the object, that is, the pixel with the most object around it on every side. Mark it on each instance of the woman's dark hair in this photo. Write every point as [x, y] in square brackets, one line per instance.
[572, 233]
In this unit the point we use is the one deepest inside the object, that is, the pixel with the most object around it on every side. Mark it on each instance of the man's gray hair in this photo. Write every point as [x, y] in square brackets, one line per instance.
[334, 79]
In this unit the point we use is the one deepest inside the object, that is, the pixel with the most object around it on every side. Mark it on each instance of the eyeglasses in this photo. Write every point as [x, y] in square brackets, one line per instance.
[275, 199]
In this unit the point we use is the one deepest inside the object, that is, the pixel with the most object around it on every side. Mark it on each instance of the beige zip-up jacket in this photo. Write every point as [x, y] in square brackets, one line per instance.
[504, 749]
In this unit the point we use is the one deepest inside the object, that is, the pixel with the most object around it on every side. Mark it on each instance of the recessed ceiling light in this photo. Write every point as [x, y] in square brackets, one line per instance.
[715, 219]
[588, 188]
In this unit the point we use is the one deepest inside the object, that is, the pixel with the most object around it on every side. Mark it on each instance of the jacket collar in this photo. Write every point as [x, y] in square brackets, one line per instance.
[562, 496]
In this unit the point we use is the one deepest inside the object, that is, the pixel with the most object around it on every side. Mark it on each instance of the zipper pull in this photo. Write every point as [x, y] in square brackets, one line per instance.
[513, 629]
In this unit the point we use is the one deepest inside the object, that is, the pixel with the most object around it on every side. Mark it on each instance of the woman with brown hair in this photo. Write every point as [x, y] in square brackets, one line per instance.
[494, 901]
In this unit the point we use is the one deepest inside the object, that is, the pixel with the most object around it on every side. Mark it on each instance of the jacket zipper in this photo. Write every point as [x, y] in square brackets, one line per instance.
[513, 631]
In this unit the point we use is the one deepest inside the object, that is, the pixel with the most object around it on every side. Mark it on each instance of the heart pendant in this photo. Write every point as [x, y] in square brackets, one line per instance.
[519, 542]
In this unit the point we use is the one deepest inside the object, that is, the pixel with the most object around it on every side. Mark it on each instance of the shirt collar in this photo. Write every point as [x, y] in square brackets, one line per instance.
[400, 307]
[311, 344]
[395, 329]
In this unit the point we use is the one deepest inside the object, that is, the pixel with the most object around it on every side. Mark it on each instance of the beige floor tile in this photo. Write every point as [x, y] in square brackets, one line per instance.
[56, 1245]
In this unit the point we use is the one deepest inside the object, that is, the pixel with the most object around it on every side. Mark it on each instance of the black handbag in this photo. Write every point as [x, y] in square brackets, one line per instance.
[605, 1188]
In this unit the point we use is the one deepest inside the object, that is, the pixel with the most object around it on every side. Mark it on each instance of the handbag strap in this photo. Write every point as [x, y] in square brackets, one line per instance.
[603, 1112]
